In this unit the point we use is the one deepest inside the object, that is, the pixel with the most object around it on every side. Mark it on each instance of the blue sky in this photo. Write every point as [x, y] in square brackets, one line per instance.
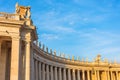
[82, 28]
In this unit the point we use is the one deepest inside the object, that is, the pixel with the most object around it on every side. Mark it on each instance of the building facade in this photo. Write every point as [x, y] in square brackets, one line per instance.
[22, 57]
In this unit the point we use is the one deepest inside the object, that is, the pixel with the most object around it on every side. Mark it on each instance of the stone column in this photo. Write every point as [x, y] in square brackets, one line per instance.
[64, 74]
[47, 68]
[56, 74]
[69, 74]
[51, 69]
[43, 71]
[108, 75]
[40, 71]
[15, 62]
[98, 75]
[95, 75]
[111, 74]
[60, 75]
[88, 75]
[78, 75]
[117, 75]
[28, 60]
[73, 71]
[83, 74]
[36, 70]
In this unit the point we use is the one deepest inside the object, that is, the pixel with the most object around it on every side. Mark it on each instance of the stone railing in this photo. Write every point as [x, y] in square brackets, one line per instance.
[63, 57]
[9, 16]
[54, 54]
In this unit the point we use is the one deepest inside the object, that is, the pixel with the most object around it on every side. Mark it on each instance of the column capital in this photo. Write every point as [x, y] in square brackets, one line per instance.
[27, 39]
[83, 70]
[15, 38]
[73, 70]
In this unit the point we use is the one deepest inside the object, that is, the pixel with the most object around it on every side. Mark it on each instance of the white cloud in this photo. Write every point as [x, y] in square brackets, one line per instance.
[64, 29]
[49, 36]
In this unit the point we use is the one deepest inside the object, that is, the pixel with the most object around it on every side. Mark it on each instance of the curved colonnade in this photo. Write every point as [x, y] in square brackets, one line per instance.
[51, 67]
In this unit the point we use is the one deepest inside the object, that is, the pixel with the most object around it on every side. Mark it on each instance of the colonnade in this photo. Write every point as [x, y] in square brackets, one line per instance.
[49, 72]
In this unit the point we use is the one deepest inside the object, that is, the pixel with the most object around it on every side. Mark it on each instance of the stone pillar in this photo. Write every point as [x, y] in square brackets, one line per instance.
[108, 75]
[98, 75]
[69, 74]
[51, 70]
[27, 61]
[88, 75]
[83, 74]
[43, 71]
[78, 75]
[95, 75]
[36, 70]
[60, 75]
[64, 74]
[47, 68]
[111, 74]
[56, 74]
[15, 62]
[40, 71]
[73, 71]
[117, 75]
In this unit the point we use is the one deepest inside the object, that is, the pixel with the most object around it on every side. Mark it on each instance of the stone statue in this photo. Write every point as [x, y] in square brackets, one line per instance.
[98, 58]
[17, 8]
[73, 58]
[68, 56]
[55, 52]
[78, 58]
[28, 13]
[24, 12]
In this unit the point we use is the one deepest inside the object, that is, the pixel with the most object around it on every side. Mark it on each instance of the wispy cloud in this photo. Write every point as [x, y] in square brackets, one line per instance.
[49, 36]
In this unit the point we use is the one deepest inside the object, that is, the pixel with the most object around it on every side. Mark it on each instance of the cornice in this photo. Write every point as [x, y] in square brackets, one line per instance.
[12, 22]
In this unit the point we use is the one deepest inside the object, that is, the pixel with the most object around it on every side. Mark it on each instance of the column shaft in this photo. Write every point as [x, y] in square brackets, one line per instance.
[69, 74]
[43, 71]
[40, 71]
[47, 68]
[73, 74]
[117, 75]
[95, 75]
[51, 69]
[36, 70]
[15, 63]
[64, 74]
[83, 74]
[98, 75]
[28, 61]
[88, 75]
[56, 74]
[78, 75]
[111, 76]
[108, 75]
[60, 75]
